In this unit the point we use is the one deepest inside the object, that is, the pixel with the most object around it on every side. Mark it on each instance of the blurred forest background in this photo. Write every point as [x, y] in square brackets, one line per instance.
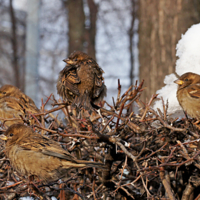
[130, 39]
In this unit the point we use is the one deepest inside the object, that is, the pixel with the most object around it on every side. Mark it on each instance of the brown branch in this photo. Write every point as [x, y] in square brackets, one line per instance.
[166, 185]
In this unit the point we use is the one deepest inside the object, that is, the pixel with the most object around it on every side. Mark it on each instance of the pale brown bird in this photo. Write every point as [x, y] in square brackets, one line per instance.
[32, 154]
[81, 81]
[11, 109]
[188, 94]
[12, 91]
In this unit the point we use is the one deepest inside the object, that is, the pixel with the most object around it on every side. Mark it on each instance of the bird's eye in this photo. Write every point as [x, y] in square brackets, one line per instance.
[11, 134]
[4, 92]
[75, 59]
[186, 79]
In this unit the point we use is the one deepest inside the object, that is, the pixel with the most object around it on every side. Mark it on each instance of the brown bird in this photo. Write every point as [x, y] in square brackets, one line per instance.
[33, 154]
[188, 94]
[80, 83]
[11, 109]
[12, 91]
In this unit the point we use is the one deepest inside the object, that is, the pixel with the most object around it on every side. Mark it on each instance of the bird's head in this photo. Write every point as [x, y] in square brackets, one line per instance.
[15, 133]
[77, 57]
[7, 90]
[187, 79]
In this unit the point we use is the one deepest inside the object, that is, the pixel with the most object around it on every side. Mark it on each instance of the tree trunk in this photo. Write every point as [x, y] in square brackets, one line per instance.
[131, 42]
[161, 24]
[14, 46]
[91, 31]
[81, 37]
[76, 25]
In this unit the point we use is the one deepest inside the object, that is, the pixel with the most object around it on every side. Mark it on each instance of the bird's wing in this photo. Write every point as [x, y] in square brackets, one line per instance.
[26, 99]
[98, 82]
[98, 76]
[13, 104]
[11, 108]
[39, 143]
[29, 107]
[70, 79]
[194, 90]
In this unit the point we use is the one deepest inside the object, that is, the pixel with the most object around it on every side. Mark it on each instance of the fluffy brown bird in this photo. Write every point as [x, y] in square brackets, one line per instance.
[80, 83]
[13, 103]
[188, 94]
[10, 108]
[33, 154]
[12, 91]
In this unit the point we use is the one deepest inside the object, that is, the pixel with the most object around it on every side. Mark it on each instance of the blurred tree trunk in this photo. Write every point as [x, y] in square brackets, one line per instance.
[81, 35]
[161, 24]
[131, 42]
[91, 31]
[76, 25]
[14, 46]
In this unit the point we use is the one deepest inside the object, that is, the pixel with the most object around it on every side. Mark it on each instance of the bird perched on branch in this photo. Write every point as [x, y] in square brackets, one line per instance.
[32, 154]
[14, 103]
[188, 94]
[80, 83]
[12, 110]
[12, 91]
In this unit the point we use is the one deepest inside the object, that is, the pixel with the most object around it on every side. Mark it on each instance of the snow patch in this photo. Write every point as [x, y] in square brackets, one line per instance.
[188, 51]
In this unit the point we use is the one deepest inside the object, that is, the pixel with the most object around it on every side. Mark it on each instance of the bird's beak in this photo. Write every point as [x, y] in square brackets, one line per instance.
[3, 137]
[179, 82]
[68, 61]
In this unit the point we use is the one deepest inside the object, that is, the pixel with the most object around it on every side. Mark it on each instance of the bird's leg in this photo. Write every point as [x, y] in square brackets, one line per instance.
[185, 113]
[186, 118]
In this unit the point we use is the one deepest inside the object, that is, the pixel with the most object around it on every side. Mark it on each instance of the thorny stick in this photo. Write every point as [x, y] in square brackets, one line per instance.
[122, 106]
[165, 124]
[164, 110]
[114, 140]
[147, 106]
[9, 186]
[166, 185]
[119, 92]
[93, 185]
[50, 111]
[42, 109]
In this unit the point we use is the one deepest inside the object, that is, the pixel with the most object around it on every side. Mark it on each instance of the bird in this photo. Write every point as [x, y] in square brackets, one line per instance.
[188, 94]
[32, 154]
[80, 83]
[12, 91]
[13, 102]
[11, 111]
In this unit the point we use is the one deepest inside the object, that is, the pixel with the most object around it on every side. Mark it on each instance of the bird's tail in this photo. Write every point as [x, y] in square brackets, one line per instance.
[83, 101]
[90, 163]
[81, 163]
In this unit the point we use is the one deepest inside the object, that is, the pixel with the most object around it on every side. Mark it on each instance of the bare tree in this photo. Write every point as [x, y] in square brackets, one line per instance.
[91, 30]
[14, 45]
[81, 26]
[130, 34]
[76, 25]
